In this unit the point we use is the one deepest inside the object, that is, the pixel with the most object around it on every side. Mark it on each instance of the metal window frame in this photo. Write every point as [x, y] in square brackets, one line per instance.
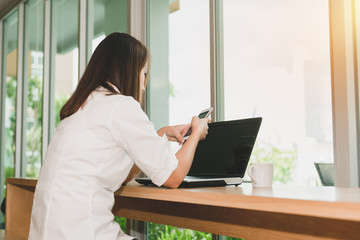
[25, 75]
[137, 19]
[19, 90]
[216, 66]
[89, 28]
[345, 103]
[3, 64]
[25, 88]
[136, 27]
[46, 133]
[2, 113]
[217, 60]
[83, 36]
[356, 30]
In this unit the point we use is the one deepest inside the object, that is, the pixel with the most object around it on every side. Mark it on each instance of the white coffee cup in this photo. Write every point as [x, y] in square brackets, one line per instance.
[261, 174]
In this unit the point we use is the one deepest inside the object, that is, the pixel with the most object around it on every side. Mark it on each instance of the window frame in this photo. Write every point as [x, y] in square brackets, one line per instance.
[345, 101]
[3, 64]
[2, 114]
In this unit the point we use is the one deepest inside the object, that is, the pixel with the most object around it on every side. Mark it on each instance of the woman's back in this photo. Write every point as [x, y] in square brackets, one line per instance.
[82, 169]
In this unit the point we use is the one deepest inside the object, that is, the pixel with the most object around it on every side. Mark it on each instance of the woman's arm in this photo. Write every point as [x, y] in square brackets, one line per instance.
[176, 134]
[132, 174]
[186, 153]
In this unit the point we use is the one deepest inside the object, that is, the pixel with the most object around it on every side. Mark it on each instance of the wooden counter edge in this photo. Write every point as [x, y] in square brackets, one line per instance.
[333, 210]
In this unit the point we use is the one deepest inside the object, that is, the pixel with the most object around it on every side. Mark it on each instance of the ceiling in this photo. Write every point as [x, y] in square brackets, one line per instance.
[108, 16]
[6, 6]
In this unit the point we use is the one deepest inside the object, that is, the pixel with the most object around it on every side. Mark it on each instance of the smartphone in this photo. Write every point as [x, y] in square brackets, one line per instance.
[203, 114]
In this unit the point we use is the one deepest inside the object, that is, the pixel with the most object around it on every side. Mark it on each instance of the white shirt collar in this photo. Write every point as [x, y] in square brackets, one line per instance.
[114, 87]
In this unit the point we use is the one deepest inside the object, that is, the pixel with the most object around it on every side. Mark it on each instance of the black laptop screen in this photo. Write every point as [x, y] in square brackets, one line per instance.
[226, 150]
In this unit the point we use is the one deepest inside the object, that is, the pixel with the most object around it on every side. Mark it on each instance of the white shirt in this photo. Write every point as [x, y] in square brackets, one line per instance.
[89, 157]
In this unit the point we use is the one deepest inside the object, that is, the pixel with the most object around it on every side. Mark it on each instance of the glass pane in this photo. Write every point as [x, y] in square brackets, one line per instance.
[34, 25]
[179, 85]
[65, 15]
[106, 17]
[10, 64]
[277, 66]
[189, 77]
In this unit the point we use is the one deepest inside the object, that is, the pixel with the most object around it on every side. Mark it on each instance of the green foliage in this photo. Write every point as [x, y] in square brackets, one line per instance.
[34, 125]
[11, 89]
[10, 129]
[35, 99]
[33, 129]
[283, 160]
[122, 222]
[33, 156]
[59, 103]
[9, 172]
[164, 232]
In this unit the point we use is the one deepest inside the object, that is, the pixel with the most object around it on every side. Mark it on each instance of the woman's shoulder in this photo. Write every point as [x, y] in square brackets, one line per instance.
[117, 103]
[123, 100]
[127, 103]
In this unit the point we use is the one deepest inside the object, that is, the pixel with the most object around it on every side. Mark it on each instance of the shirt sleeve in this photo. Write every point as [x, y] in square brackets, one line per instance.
[132, 130]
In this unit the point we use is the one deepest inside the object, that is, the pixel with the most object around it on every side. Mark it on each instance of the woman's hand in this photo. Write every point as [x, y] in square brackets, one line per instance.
[175, 133]
[200, 127]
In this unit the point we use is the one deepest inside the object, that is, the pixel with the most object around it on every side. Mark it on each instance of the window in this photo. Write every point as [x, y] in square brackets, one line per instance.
[8, 101]
[179, 85]
[33, 85]
[104, 18]
[10, 63]
[180, 70]
[65, 53]
[277, 66]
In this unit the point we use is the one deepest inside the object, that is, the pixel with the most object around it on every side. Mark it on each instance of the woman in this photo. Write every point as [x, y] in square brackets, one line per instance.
[102, 142]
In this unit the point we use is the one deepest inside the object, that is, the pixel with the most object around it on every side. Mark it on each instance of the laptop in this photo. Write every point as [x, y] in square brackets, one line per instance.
[222, 157]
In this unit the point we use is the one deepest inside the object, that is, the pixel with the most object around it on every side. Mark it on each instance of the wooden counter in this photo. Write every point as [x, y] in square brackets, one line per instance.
[281, 212]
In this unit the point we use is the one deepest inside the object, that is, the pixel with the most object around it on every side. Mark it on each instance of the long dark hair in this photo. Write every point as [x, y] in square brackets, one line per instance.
[117, 60]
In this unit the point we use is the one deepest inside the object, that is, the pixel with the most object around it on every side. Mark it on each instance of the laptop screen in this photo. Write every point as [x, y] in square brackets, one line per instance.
[226, 150]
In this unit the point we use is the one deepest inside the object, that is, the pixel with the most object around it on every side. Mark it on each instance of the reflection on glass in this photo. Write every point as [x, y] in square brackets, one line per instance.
[10, 58]
[65, 39]
[179, 84]
[107, 17]
[277, 66]
[33, 44]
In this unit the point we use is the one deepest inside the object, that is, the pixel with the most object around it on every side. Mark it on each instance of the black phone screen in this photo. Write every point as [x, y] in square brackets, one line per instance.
[202, 115]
